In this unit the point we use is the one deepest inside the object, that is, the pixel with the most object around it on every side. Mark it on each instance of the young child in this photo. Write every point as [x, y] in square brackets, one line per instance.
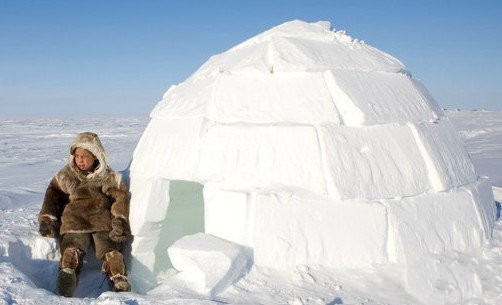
[86, 202]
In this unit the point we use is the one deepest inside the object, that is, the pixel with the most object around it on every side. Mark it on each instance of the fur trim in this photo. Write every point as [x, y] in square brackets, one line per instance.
[120, 277]
[68, 270]
[72, 258]
[118, 178]
[121, 217]
[52, 217]
[89, 141]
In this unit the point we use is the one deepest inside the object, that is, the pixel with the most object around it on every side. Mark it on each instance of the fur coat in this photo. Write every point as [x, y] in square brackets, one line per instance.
[84, 202]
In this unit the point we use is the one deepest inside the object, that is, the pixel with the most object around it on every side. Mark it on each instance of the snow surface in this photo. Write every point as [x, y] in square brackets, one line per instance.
[31, 152]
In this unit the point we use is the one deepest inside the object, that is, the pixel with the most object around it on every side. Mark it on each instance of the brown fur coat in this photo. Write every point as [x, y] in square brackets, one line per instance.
[84, 202]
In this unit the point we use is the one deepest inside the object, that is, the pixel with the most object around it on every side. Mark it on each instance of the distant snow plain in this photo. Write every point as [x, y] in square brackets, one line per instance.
[33, 150]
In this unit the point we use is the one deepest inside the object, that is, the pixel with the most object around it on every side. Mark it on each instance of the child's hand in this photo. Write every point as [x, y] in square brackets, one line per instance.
[48, 227]
[120, 230]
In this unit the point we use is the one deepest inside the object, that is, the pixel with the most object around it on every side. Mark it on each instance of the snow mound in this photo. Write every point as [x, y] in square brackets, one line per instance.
[311, 148]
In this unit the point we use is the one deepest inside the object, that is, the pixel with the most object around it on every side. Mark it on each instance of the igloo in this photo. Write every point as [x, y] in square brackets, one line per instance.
[311, 148]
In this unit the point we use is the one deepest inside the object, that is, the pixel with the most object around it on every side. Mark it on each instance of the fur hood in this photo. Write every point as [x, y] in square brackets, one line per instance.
[89, 141]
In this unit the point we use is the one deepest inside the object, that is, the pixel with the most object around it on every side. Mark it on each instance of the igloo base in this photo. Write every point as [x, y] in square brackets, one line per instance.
[421, 237]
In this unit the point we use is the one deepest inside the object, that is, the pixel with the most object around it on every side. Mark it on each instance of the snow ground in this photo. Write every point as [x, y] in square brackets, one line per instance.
[32, 151]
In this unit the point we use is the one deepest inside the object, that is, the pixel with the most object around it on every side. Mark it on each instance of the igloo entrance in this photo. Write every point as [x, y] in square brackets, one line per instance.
[185, 216]
[175, 210]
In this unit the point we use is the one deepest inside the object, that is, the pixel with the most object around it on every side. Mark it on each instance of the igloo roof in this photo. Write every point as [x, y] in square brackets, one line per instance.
[304, 73]
[305, 106]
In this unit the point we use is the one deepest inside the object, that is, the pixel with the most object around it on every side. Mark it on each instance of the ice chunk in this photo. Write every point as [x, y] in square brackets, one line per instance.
[248, 156]
[295, 97]
[373, 162]
[287, 229]
[209, 262]
[433, 224]
[168, 149]
[369, 98]
[326, 25]
[445, 155]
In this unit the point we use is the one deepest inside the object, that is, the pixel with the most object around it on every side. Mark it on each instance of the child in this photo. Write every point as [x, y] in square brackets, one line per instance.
[86, 202]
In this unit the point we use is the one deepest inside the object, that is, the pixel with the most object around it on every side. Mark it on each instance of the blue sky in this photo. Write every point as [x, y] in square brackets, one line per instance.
[117, 58]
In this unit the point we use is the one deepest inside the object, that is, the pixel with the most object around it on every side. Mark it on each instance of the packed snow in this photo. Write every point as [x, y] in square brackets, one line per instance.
[33, 150]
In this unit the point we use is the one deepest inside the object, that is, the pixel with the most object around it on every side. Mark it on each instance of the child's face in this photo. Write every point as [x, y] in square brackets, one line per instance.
[84, 159]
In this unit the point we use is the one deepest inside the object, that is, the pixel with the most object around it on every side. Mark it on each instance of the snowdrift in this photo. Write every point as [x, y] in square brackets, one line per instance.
[308, 147]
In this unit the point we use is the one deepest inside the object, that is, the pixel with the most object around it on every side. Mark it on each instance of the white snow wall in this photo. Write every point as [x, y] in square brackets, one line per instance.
[313, 148]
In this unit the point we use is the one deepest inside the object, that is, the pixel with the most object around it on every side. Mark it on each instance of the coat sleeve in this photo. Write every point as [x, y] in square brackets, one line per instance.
[120, 200]
[54, 201]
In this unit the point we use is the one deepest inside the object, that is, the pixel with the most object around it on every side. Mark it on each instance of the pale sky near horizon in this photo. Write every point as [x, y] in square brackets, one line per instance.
[117, 58]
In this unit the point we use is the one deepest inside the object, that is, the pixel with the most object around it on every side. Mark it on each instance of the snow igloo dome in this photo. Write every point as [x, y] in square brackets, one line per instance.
[311, 148]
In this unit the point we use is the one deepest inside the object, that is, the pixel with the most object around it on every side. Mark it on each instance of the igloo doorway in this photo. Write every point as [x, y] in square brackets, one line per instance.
[175, 209]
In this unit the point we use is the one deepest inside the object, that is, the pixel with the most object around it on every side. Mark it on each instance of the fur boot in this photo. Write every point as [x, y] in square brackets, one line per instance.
[114, 267]
[71, 263]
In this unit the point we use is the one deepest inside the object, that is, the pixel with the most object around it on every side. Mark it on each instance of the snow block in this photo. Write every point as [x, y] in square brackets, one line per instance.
[188, 99]
[287, 229]
[248, 156]
[331, 52]
[307, 231]
[485, 205]
[293, 97]
[143, 248]
[227, 214]
[149, 205]
[209, 262]
[434, 223]
[373, 162]
[165, 144]
[444, 153]
[245, 58]
[140, 270]
[370, 98]
[419, 86]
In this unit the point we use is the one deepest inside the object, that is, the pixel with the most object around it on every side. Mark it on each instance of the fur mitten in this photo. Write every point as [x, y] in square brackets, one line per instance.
[48, 227]
[120, 230]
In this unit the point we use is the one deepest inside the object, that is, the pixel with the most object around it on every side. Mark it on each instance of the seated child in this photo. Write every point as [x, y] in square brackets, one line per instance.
[86, 202]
